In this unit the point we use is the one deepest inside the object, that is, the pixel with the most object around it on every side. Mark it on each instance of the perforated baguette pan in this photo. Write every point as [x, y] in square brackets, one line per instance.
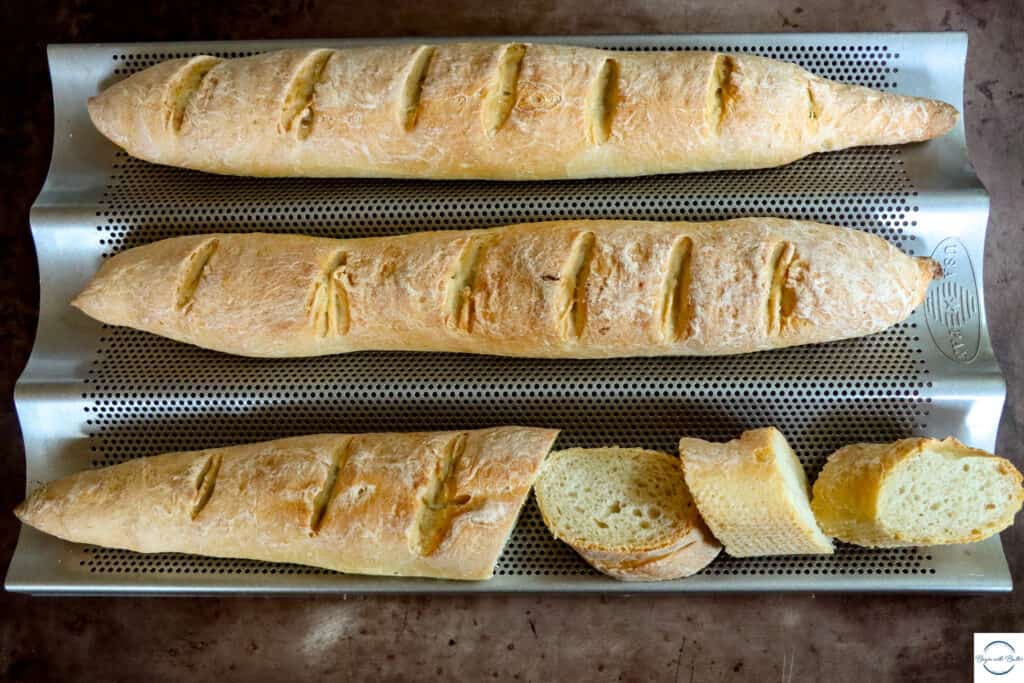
[93, 395]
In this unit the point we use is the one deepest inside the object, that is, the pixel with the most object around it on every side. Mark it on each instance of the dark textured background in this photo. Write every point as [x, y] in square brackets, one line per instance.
[792, 637]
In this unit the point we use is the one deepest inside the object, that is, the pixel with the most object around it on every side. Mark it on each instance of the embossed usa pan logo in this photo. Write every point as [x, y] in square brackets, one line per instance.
[951, 308]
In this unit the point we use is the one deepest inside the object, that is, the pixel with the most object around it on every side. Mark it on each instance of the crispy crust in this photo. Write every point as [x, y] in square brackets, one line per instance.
[744, 498]
[565, 289]
[496, 111]
[847, 492]
[688, 556]
[438, 504]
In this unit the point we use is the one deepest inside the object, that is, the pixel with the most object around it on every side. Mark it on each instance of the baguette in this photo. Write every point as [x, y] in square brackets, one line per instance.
[429, 504]
[513, 111]
[753, 494]
[916, 492]
[568, 289]
[626, 511]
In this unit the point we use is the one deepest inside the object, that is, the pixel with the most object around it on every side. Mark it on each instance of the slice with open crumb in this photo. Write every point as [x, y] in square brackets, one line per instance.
[627, 511]
[916, 492]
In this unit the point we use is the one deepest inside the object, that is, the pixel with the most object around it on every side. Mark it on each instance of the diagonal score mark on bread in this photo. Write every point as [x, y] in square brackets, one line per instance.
[500, 97]
[459, 308]
[297, 110]
[781, 299]
[812, 104]
[721, 90]
[602, 99]
[192, 273]
[181, 88]
[328, 302]
[441, 502]
[676, 308]
[408, 102]
[206, 481]
[572, 295]
[322, 500]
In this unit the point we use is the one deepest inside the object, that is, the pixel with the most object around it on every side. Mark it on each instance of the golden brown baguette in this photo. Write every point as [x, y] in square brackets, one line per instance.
[916, 492]
[570, 289]
[753, 494]
[496, 111]
[429, 504]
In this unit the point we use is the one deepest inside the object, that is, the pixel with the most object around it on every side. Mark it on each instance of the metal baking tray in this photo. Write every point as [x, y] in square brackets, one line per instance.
[93, 395]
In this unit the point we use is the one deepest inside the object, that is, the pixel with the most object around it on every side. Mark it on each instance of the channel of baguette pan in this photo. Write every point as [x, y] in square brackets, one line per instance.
[752, 492]
[626, 511]
[513, 111]
[564, 289]
[436, 504]
[916, 491]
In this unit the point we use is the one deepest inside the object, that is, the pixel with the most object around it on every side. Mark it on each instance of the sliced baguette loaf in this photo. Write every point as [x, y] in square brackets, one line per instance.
[420, 504]
[565, 289]
[916, 492]
[509, 111]
[626, 511]
[753, 494]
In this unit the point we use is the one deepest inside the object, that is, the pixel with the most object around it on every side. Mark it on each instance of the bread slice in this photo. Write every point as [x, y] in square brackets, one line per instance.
[626, 511]
[916, 492]
[753, 494]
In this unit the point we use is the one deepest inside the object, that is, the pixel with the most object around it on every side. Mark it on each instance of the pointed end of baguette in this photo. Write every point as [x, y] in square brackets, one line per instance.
[851, 115]
[103, 111]
[28, 510]
[21, 511]
[98, 302]
[85, 302]
[930, 269]
[941, 119]
[131, 112]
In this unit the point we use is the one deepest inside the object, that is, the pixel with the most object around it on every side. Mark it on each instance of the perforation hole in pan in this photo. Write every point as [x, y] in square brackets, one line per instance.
[147, 395]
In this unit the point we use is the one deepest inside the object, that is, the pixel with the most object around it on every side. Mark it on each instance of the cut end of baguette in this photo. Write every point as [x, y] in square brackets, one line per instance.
[942, 493]
[615, 498]
[916, 492]
[753, 494]
[626, 511]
